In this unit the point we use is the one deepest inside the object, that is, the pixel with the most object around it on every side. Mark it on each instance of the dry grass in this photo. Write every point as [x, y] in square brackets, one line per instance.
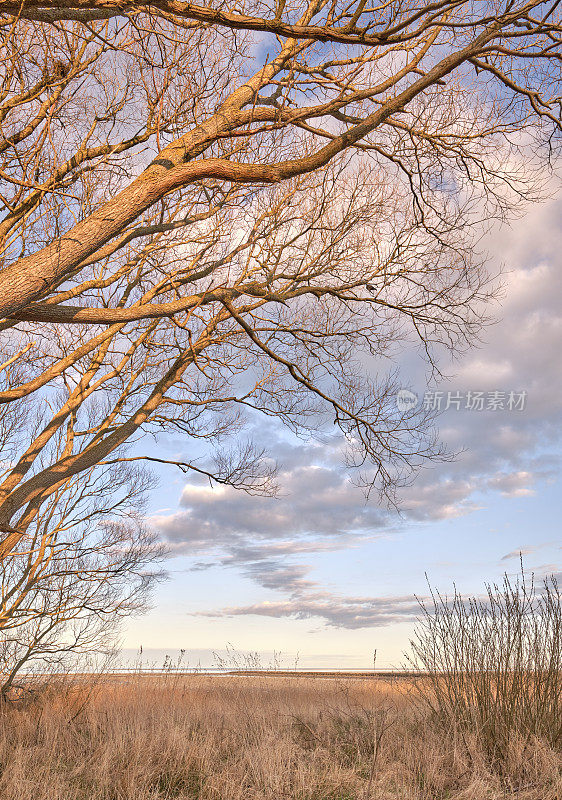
[231, 738]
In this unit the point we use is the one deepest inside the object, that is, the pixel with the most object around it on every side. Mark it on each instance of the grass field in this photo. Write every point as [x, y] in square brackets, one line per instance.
[244, 738]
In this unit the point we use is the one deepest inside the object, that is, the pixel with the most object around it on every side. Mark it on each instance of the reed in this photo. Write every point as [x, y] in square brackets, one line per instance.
[250, 738]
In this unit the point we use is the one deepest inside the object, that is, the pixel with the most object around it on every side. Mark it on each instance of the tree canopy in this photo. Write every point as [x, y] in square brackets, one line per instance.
[215, 208]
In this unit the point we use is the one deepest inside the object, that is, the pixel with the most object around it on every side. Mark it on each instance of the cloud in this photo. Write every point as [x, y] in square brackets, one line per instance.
[316, 500]
[288, 578]
[338, 612]
[521, 551]
[307, 602]
[514, 484]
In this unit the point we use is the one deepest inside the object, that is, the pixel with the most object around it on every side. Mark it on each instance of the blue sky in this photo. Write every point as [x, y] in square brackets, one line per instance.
[322, 575]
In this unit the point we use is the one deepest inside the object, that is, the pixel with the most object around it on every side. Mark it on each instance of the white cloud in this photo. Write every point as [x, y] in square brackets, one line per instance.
[514, 484]
[521, 551]
[338, 612]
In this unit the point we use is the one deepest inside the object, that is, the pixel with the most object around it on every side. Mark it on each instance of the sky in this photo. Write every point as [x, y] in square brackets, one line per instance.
[321, 576]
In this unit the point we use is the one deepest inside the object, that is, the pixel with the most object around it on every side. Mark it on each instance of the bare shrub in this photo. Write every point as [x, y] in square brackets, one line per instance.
[494, 665]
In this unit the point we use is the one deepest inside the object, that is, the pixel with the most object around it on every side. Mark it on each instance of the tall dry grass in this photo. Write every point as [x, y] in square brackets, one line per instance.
[494, 664]
[232, 738]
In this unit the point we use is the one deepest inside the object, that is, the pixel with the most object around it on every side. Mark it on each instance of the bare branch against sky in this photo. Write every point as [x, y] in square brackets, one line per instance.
[213, 209]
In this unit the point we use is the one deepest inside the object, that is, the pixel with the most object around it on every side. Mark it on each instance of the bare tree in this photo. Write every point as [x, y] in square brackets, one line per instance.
[85, 563]
[198, 221]
[173, 77]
